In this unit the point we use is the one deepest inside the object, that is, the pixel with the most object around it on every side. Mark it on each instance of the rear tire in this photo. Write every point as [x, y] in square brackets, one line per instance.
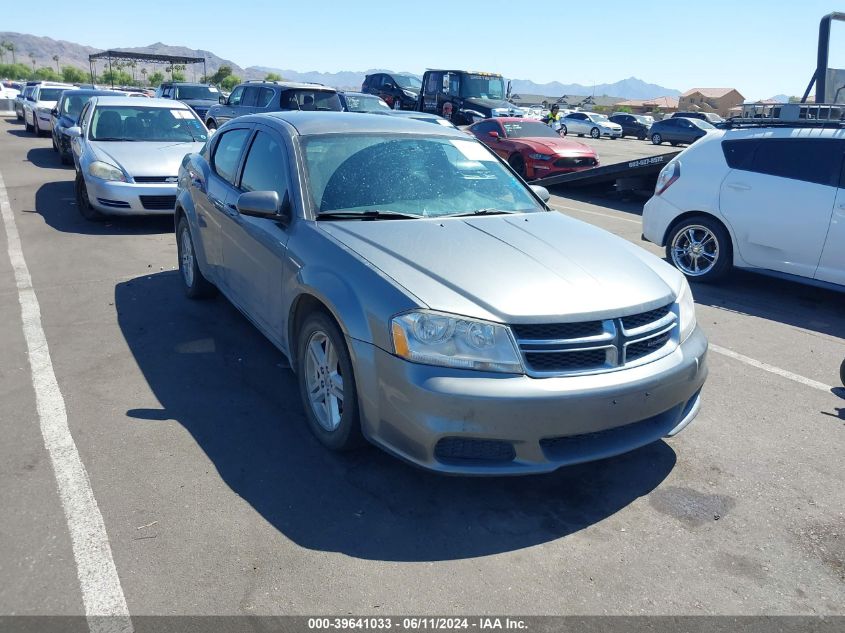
[563, 131]
[842, 373]
[26, 125]
[84, 204]
[518, 164]
[211, 125]
[55, 147]
[324, 372]
[656, 139]
[66, 159]
[715, 258]
[194, 283]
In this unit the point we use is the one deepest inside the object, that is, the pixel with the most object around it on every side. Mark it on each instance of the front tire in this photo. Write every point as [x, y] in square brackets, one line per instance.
[26, 125]
[518, 164]
[194, 283]
[700, 247]
[35, 129]
[55, 147]
[595, 133]
[656, 139]
[83, 203]
[327, 384]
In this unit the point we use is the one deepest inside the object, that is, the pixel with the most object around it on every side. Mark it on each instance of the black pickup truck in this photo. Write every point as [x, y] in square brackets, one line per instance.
[465, 97]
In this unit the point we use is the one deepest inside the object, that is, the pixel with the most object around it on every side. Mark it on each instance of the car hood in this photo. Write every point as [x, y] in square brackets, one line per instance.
[513, 268]
[141, 158]
[561, 147]
[489, 104]
[202, 103]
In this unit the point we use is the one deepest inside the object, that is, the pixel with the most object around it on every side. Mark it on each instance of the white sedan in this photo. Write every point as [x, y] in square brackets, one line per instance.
[592, 123]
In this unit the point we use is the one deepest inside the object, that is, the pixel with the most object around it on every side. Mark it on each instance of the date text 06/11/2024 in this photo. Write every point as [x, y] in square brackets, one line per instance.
[427, 623]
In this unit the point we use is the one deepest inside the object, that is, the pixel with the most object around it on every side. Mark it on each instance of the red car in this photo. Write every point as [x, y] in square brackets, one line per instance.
[532, 148]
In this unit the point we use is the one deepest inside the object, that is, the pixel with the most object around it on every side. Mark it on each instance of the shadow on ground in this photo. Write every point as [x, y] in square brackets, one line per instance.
[217, 376]
[56, 203]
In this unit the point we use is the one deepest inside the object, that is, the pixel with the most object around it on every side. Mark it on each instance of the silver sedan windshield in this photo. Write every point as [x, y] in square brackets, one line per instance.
[145, 123]
[418, 175]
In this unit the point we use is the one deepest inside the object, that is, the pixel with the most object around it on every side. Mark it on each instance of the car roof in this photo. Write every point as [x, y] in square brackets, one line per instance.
[54, 84]
[134, 101]
[308, 123]
[513, 119]
[290, 84]
[183, 83]
[90, 92]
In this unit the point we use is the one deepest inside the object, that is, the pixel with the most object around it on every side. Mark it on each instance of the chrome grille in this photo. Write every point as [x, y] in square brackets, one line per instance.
[557, 349]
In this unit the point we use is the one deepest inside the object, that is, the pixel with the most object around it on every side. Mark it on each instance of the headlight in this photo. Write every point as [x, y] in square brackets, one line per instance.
[102, 170]
[686, 310]
[434, 338]
[409, 94]
[540, 156]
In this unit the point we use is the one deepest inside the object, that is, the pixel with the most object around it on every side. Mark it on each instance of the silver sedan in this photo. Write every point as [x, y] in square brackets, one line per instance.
[430, 302]
[591, 123]
[127, 154]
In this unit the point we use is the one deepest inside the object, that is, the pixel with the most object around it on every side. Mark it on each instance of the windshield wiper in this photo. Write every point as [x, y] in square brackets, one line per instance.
[114, 138]
[370, 214]
[488, 211]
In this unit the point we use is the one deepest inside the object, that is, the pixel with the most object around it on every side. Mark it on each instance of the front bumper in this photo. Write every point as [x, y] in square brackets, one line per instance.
[465, 422]
[658, 216]
[125, 198]
[611, 133]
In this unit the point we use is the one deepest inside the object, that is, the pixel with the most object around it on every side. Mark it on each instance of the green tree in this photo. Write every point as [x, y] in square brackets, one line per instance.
[230, 82]
[11, 48]
[46, 74]
[625, 109]
[116, 77]
[273, 77]
[156, 78]
[73, 75]
[15, 71]
[222, 73]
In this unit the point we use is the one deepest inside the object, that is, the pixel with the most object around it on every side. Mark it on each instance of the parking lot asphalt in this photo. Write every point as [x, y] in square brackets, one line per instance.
[216, 499]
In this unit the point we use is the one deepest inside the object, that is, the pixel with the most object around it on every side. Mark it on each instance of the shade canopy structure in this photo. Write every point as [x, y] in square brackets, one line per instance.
[146, 58]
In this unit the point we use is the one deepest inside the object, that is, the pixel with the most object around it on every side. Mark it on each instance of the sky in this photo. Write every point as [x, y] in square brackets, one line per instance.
[760, 48]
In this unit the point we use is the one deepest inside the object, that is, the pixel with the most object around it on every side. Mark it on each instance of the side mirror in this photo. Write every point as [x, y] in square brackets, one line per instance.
[493, 134]
[541, 192]
[222, 100]
[74, 132]
[265, 204]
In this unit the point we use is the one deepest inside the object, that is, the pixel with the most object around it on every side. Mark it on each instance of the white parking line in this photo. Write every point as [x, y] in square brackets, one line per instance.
[561, 207]
[102, 594]
[809, 382]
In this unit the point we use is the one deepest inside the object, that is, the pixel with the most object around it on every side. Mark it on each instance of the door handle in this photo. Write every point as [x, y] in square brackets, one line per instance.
[738, 186]
[218, 204]
[232, 209]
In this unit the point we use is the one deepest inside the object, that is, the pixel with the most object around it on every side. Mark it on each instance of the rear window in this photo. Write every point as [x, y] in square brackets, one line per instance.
[811, 160]
[50, 94]
[309, 100]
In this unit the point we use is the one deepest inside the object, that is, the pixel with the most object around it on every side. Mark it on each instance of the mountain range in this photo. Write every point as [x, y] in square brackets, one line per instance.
[71, 54]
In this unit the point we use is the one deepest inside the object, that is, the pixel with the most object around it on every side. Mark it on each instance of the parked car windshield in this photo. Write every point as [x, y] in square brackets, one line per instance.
[642, 119]
[704, 125]
[483, 86]
[304, 99]
[365, 103]
[50, 94]
[72, 104]
[197, 92]
[529, 129]
[140, 123]
[406, 81]
[419, 175]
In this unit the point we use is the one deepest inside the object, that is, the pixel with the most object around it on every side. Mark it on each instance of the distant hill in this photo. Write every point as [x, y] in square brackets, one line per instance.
[70, 54]
[631, 88]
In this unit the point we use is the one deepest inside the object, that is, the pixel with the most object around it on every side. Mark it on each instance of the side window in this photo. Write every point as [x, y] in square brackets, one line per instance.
[434, 84]
[265, 168]
[812, 160]
[250, 96]
[236, 96]
[83, 118]
[454, 85]
[738, 153]
[265, 96]
[485, 127]
[227, 152]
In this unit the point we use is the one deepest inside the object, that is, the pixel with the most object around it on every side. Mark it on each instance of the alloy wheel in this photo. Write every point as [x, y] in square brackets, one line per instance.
[186, 258]
[695, 250]
[324, 381]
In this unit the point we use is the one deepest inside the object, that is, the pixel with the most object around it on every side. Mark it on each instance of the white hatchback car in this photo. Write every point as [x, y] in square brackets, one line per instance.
[766, 199]
[38, 106]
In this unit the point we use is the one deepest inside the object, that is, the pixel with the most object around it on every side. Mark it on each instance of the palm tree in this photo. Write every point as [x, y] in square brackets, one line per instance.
[11, 48]
[132, 63]
[56, 59]
[144, 75]
[32, 58]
